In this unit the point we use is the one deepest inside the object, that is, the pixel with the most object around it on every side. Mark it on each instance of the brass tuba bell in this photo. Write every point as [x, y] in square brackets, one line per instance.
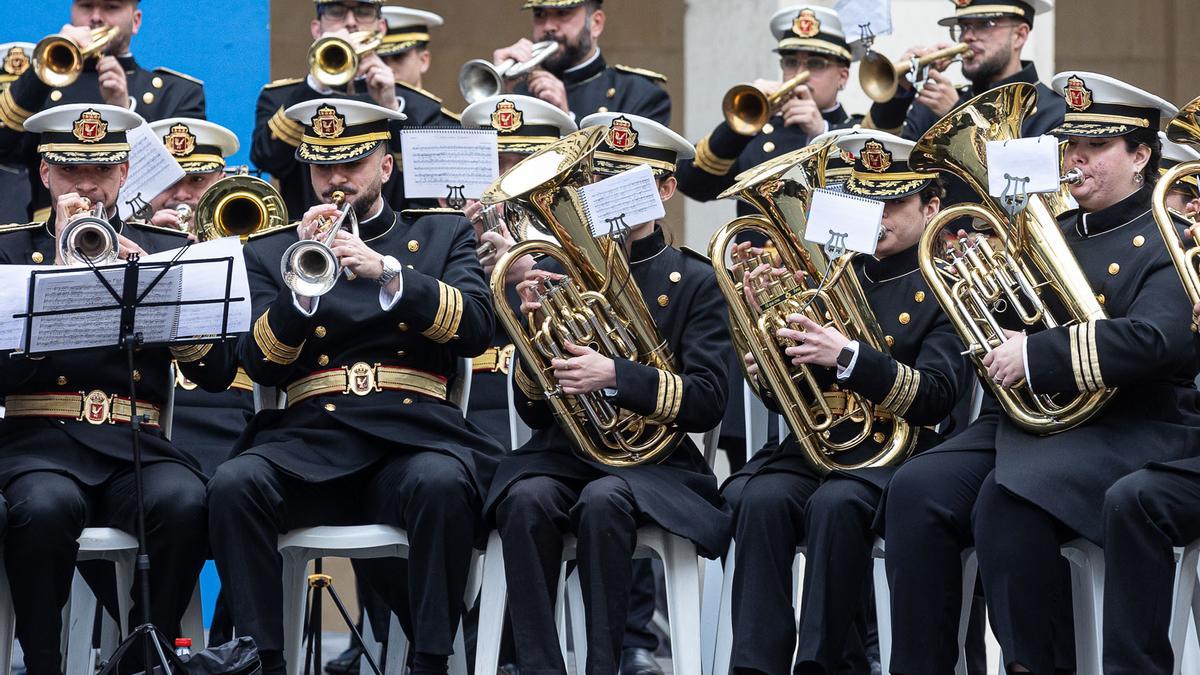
[1183, 128]
[88, 239]
[1029, 270]
[880, 78]
[827, 424]
[596, 304]
[58, 60]
[333, 61]
[238, 206]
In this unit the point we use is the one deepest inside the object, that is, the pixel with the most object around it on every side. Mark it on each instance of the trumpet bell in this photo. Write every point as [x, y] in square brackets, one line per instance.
[89, 240]
[878, 77]
[333, 61]
[746, 109]
[58, 60]
[238, 206]
[310, 268]
[478, 79]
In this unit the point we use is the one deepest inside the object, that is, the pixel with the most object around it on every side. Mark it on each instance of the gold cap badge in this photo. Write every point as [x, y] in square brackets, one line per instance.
[327, 123]
[90, 127]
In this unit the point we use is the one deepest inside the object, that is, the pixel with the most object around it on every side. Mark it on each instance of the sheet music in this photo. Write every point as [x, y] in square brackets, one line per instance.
[152, 170]
[206, 281]
[856, 13]
[14, 296]
[81, 290]
[438, 161]
[627, 199]
[1029, 165]
[853, 223]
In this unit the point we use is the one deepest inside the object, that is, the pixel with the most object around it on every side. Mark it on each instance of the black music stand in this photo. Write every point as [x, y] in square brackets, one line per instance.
[128, 300]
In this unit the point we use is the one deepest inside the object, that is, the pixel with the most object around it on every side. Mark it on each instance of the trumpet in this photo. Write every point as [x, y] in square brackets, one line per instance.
[185, 216]
[58, 60]
[1183, 128]
[747, 110]
[880, 78]
[88, 239]
[238, 205]
[310, 267]
[333, 61]
[478, 79]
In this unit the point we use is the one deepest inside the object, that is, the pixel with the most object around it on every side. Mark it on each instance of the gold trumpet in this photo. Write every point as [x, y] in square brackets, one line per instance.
[58, 60]
[826, 423]
[1183, 128]
[310, 267]
[880, 77]
[596, 304]
[238, 206]
[88, 238]
[1031, 269]
[333, 60]
[747, 110]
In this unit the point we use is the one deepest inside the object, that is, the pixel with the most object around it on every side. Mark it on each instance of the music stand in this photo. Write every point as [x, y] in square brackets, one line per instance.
[128, 300]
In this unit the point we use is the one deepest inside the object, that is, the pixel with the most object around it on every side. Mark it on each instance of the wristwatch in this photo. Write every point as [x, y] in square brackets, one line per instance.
[845, 357]
[391, 270]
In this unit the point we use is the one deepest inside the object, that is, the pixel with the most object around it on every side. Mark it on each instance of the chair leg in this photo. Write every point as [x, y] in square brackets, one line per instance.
[723, 653]
[397, 647]
[1181, 605]
[7, 623]
[125, 569]
[192, 624]
[560, 611]
[458, 660]
[1087, 595]
[295, 589]
[970, 570]
[578, 620]
[492, 600]
[79, 624]
[883, 606]
[372, 644]
[683, 602]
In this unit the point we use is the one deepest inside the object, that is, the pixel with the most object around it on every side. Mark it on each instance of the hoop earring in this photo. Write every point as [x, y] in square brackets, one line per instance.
[1138, 178]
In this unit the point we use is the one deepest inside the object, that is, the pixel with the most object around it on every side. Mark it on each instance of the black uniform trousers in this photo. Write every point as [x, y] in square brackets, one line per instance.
[429, 494]
[1146, 514]
[48, 511]
[532, 518]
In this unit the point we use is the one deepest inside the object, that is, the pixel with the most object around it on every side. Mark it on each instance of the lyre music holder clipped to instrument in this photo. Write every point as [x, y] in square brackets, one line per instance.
[127, 299]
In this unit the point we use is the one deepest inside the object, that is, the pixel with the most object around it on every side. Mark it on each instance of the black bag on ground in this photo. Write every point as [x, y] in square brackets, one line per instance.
[237, 657]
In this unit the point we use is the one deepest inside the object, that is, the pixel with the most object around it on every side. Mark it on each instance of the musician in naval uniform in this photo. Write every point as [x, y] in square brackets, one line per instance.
[405, 49]
[14, 176]
[1183, 196]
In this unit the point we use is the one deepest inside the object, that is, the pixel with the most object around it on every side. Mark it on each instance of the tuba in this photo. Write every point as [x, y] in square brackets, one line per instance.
[1030, 269]
[781, 190]
[238, 206]
[58, 60]
[596, 304]
[88, 239]
[1184, 128]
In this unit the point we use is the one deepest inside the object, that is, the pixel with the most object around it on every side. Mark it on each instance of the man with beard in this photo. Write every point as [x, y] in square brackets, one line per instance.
[115, 79]
[996, 31]
[368, 435]
[576, 78]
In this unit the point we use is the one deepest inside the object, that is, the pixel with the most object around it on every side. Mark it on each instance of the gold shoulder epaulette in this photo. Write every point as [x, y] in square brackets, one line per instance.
[426, 94]
[176, 73]
[417, 213]
[273, 230]
[156, 228]
[642, 71]
[282, 83]
[451, 114]
[13, 227]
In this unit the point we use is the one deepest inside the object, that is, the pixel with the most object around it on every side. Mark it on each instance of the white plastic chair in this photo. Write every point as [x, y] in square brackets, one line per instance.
[1185, 604]
[1087, 602]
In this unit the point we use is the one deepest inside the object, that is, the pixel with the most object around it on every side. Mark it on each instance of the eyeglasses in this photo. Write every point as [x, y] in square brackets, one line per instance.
[977, 26]
[813, 64]
[337, 12]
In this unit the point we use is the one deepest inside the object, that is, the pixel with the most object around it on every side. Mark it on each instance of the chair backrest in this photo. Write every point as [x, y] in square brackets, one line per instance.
[166, 417]
[460, 387]
[266, 398]
[519, 433]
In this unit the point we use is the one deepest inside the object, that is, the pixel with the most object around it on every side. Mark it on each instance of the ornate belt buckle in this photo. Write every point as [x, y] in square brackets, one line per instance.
[360, 379]
[504, 357]
[97, 408]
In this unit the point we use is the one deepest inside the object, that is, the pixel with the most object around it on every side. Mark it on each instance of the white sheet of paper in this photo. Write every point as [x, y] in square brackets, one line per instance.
[629, 198]
[152, 169]
[852, 222]
[436, 159]
[1035, 159]
[856, 13]
[14, 297]
[206, 281]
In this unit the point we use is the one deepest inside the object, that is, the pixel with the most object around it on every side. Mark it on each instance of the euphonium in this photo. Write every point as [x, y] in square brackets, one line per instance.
[747, 110]
[333, 61]
[88, 239]
[879, 77]
[825, 423]
[1184, 128]
[58, 60]
[238, 206]
[1029, 270]
[479, 79]
[597, 304]
[309, 266]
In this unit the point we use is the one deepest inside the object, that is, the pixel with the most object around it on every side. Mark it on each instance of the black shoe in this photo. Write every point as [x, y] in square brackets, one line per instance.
[346, 663]
[638, 661]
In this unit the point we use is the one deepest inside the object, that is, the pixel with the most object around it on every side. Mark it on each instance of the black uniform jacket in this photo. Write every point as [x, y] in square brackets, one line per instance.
[679, 493]
[920, 380]
[156, 95]
[88, 452]
[275, 138]
[1145, 349]
[598, 87]
[724, 154]
[207, 424]
[444, 313]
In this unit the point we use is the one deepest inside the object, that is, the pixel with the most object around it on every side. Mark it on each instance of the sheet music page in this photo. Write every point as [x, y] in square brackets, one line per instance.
[98, 327]
[206, 281]
[850, 222]
[152, 169]
[14, 298]
[627, 199]
[856, 13]
[1029, 165]
[440, 161]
